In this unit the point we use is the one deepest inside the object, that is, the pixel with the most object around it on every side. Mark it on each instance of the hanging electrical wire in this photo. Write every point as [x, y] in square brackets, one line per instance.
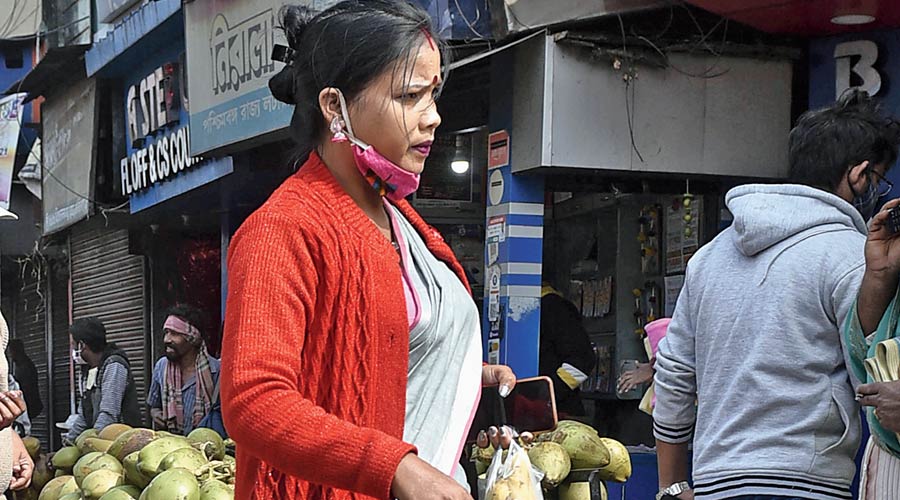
[470, 24]
[628, 77]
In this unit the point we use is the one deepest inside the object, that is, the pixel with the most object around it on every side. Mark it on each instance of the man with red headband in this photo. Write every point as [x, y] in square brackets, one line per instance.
[183, 388]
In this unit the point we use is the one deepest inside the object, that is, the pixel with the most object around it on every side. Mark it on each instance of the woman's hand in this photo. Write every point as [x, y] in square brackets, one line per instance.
[23, 466]
[500, 375]
[12, 404]
[415, 479]
[643, 374]
[882, 246]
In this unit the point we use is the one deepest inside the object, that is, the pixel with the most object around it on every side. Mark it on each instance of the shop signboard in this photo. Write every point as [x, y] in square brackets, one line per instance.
[10, 120]
[158, 164]
[109, 10]
[229, 48]
[69, 121]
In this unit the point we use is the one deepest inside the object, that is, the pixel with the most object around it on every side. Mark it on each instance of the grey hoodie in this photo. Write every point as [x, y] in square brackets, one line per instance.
[755, 341]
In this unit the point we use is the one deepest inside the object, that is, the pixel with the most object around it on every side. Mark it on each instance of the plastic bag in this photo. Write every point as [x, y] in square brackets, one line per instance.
[514, 478]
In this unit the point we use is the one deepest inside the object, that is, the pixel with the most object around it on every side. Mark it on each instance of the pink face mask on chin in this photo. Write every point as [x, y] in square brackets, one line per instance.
[388, 178]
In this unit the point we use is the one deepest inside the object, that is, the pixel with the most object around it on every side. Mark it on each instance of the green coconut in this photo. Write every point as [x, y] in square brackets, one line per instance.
[133, 474]
[130, 441]
[59, 487]
[124, 492]
[42, 474]
[65, 458]
[154, 453]
[95, 461]
[79, 441]
[184, 458]
[214, 489]
[551, 459]
[173, 484]
[582, 444]
[210, 441]
[97, 483]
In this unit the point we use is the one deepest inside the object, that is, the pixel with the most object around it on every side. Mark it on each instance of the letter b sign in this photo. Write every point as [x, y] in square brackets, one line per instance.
[856, 58]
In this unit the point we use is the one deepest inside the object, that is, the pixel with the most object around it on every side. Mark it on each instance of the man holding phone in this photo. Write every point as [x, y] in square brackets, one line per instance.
[752, 367]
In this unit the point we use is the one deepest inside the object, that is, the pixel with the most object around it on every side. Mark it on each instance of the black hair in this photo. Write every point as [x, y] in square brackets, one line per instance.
[346, 47]
[91, 332]
[188, 313]
[827, 142]
[16, 347]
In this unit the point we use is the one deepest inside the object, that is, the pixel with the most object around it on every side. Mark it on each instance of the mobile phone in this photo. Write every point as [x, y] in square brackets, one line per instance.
[530, 406]
[893, 220]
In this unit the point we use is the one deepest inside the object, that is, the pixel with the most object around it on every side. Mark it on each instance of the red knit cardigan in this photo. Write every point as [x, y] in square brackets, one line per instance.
[316, 345]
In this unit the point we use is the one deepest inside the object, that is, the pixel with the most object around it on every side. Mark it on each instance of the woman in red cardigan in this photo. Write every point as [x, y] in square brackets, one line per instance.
[351, 363]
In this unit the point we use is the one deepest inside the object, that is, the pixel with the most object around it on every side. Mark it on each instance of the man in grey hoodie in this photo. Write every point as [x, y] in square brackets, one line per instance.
[753, 367]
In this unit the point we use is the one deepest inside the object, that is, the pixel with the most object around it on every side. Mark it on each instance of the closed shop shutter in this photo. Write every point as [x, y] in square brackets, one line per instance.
[30, 328]
[108, 283]
[61, 383]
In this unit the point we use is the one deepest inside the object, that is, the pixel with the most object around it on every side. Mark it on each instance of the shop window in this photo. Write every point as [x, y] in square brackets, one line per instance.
[14, 57]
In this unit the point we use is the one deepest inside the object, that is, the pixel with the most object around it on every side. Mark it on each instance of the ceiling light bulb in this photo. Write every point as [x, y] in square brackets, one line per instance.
[852, 19]
[459, 166]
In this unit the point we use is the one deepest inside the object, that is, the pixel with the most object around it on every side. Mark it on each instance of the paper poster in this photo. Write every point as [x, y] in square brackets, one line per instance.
[498, 149]
[493, 293]
[496, 230]
[494, 351]
[493, 253]
[682, 237]
[673, 286]
[10, 118]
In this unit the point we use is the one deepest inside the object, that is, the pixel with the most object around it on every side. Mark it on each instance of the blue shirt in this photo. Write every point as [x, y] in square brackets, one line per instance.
[188, 389]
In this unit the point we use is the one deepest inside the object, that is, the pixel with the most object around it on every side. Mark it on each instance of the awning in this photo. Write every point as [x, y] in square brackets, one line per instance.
[152, 15]
[58, 67]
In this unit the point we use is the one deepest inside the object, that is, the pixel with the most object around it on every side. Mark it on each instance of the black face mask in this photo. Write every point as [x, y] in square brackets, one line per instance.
[865, 203]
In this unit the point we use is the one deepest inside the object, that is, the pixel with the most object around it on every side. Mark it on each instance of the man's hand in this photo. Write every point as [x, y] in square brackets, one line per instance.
[158, 422]
[885, 398]
[882, 247]
[23, 466]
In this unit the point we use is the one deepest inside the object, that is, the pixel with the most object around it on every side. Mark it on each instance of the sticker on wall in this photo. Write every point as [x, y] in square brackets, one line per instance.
[496, 187]
[496, 230]
[494, 293]
[498, 149]
[494, 351]
[493, 252]
[495, 329]
[494, 279]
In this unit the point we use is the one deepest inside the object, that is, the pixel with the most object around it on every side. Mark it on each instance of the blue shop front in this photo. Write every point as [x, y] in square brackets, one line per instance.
[180, 203]
[604, 196]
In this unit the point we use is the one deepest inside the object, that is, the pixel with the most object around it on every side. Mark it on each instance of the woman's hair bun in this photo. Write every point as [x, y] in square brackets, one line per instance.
[282, 85]
[294, 20]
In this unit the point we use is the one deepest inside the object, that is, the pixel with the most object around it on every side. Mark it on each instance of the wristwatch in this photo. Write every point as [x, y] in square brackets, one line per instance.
[674, 490]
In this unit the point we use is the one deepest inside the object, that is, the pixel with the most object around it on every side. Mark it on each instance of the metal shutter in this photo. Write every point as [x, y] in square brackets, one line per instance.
[31, 329]
[108, 283]
[61, 384]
